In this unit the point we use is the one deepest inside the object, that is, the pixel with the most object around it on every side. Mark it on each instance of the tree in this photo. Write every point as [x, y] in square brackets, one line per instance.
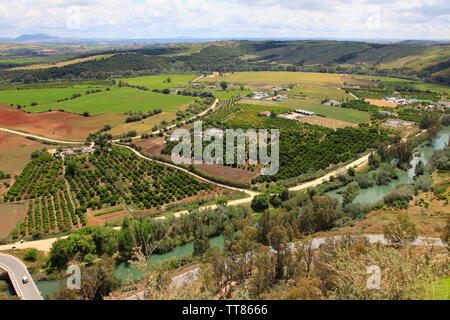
[67, 294]
[72, 168]
[201, 246]
[350, 194]
[260, 202]
[419, 169]
[278, 239]
[98, 280]
[224, 85]
[429, 119]
[401, 231]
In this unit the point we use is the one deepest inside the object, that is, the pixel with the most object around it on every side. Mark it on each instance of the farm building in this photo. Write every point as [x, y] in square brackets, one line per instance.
[256, 95]
[305, 112]
[387, 113]
[333, 103]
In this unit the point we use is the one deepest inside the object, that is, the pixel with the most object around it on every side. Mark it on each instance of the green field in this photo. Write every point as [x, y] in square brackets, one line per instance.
[337, 113]
[41, 96]
[160, 81]
[279, 77]
[118, 100]
[319, 92]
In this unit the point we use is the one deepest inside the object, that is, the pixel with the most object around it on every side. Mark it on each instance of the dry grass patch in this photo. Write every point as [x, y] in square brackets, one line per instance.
[10, 216]
[327, 122]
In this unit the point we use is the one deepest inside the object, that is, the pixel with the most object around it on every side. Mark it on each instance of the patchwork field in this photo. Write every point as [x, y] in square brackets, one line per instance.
[118, 100]
[160, 81]
[55, 124]
[275, 77]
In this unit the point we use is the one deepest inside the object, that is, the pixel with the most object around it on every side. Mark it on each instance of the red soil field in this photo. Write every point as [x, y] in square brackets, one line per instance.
[55, 124]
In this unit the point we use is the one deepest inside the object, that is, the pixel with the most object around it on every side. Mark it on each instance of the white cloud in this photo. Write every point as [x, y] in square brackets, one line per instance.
[234, 18]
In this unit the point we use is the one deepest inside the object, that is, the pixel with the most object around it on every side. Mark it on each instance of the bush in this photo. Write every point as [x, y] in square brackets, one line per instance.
[365, 181]
[401, 231]
[401, 193]
[30, 255]
[423, 183]
[358, 210]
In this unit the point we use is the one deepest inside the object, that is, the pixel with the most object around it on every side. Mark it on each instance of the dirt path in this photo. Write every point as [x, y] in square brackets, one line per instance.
[39, 137]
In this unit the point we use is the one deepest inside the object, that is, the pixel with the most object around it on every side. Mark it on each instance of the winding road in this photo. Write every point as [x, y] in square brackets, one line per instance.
[16, 270]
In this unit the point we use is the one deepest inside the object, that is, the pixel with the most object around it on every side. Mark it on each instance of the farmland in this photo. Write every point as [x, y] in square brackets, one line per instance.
[118, 100]
[10, 215]
[55, 124]
[159, 81]
[60, 194]
[40, 96]
[273, 77]
[15, 152]
[299, 142]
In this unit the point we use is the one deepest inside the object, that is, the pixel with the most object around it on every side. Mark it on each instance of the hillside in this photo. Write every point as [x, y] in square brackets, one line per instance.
[412, 60]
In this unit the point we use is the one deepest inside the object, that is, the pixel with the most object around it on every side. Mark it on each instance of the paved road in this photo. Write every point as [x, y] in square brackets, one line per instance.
[17, 270]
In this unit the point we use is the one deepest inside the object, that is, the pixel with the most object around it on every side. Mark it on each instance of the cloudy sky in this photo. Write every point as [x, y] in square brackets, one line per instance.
[337, 19]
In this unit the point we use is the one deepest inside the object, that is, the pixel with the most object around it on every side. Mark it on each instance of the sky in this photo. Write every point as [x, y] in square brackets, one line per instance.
[224, 19]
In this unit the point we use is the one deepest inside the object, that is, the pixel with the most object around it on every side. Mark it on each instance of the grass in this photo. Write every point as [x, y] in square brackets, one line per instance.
[159, 81]
[439, 290]
[111, 210]
[280, 77]
[10, 216]
[223, 95]
[40, 96]
[144, 126]
[15, 152]
[118, 100]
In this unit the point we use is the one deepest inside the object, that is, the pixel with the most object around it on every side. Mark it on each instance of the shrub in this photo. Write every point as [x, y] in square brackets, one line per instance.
[30, 254]
[401, 231]
[403, 192]
[423, 183]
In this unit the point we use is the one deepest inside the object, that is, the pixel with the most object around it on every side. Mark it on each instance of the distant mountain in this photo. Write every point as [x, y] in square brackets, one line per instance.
[425, 42]
[35, 37]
